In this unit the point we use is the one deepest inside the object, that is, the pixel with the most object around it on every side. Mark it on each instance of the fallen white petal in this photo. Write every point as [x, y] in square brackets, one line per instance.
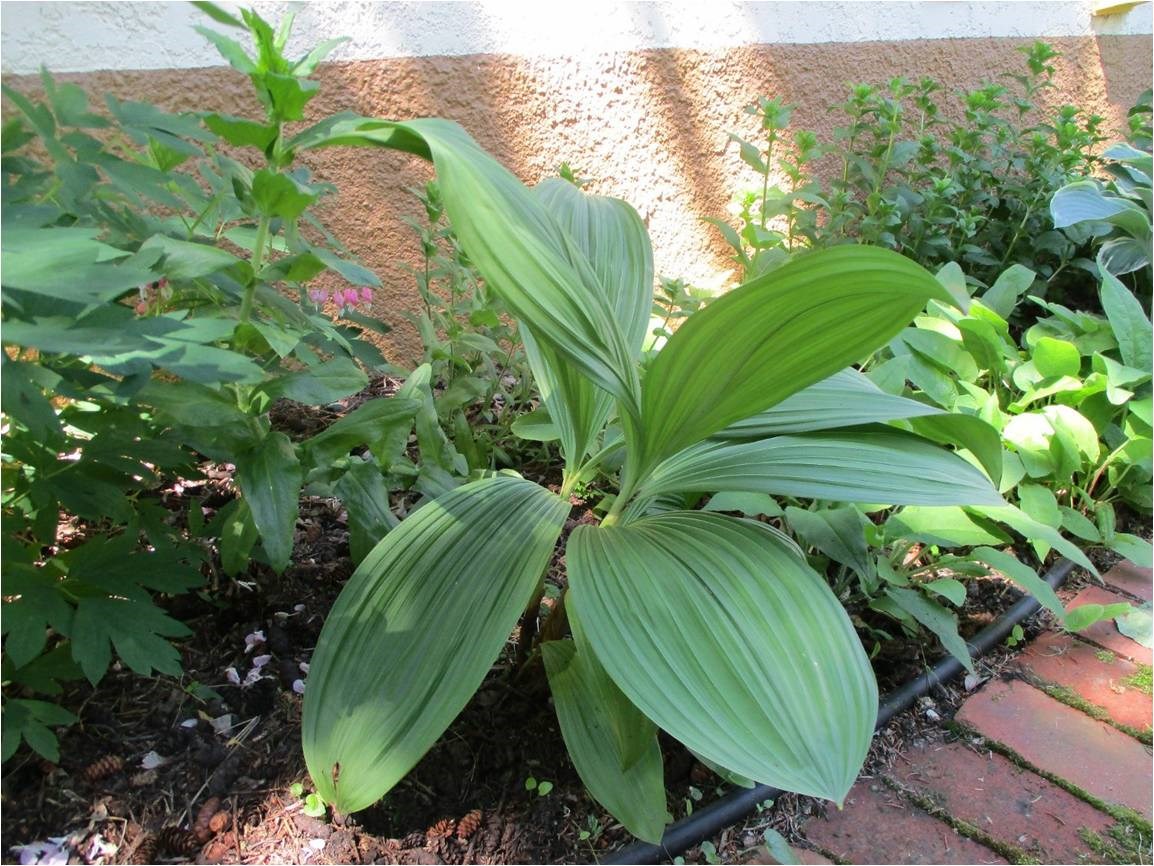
[251, 640]
[304, 666]
[972, 681]
[153, 760]
[318, 844]
[222, 724]
[299, 686]
[189, 723]
[232, 676]
[260, 661]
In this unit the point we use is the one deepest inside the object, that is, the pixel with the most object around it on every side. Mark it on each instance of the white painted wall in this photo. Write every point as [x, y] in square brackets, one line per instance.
[87, 36]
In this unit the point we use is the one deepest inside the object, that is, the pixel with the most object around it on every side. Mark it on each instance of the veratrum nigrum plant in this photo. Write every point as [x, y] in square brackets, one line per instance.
[710, 627]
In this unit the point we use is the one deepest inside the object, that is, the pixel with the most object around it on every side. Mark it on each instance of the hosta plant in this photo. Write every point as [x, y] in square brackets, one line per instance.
[710, 627]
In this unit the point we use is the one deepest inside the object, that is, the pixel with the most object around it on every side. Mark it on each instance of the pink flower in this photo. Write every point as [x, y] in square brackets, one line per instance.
[366, 295]
[317, 296]
[350, 296]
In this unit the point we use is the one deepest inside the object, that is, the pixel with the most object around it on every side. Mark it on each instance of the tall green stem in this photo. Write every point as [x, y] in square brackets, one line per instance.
[258, 248]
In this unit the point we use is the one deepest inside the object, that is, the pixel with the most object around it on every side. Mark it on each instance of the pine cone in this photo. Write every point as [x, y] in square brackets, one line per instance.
[468, 825]
[438, 833]
[103, 768]
[146, 851]
[220, 821]
[413, 840]
[201, 826]
[177, 842]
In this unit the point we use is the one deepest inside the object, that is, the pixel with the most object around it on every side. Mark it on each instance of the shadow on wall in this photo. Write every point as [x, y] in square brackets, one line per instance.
[648, 126]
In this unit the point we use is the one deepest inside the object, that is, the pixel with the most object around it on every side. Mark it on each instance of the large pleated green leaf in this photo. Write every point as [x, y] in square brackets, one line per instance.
[416, 629]
[845, 399]
[719, 632]
[595, 717]
[612, 238]
[880, 466]
[512, 239]
[775, 335]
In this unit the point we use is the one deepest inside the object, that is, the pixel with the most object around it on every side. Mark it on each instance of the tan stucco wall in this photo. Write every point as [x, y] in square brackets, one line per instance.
[649, 126]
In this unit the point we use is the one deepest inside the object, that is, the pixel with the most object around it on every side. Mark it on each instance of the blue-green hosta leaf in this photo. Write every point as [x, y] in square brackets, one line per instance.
[883, 466]
[1138, 626]
[719, 632]
[1135, 549]
[845, 399]
[592, 712]
[416, 629]
[1129, 322]
[1084, 201]
[1124, 255]
[777, 334]
[964, 431]
[613, 240]
[513, 240]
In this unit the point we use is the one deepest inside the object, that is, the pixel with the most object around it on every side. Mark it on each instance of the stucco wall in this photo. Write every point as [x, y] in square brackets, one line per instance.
[645, 114]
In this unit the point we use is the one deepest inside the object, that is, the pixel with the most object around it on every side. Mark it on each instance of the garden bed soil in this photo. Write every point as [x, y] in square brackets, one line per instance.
[202, 769]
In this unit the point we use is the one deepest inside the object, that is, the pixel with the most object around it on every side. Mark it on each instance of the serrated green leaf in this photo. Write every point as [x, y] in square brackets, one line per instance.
[230, 50]
[363, 491]
[380, 425]
[468, 561]
[936, 618]
[270, 477]
[321, 384]
[683, 609]
[1020, 573]
[137, 630]
[839, 533]
[241, 132]
[279, 195]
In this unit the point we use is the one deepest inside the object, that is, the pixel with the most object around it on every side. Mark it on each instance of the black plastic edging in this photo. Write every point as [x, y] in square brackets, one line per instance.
[740, 802]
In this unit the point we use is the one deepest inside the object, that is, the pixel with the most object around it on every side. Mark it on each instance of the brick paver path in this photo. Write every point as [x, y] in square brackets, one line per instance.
[1036, 762]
